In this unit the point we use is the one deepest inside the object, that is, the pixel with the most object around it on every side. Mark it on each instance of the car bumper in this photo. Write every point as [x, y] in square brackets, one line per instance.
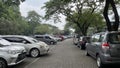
[16, 59]
[44, 51]
[107, 59]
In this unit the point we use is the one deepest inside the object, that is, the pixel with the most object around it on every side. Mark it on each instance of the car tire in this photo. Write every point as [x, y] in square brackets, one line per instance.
[99, 62]
[34, 52]
[3, 63]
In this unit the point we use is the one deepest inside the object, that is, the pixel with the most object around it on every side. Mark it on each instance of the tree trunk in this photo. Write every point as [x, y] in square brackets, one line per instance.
[115, 25]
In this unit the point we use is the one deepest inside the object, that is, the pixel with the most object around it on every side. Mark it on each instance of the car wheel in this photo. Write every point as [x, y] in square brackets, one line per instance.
[3, 64]
[34, 53]
[99, 62]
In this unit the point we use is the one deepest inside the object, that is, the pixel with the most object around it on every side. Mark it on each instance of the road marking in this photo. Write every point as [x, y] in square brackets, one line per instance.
[27, 66]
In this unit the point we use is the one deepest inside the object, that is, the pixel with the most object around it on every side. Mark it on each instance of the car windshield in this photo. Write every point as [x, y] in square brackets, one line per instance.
[114, 38]
[32, 40]
[4, 42]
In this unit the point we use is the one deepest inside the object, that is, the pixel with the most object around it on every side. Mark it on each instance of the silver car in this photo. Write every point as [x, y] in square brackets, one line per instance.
[46, 38]
[34, 47]
[105, 47]
[10, 55]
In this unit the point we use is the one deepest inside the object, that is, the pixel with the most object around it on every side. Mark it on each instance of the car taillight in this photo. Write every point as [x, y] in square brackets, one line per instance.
[105, 45]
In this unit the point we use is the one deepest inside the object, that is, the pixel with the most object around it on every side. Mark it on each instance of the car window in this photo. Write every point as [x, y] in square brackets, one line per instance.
[16, 39]
[114, 38]
[101, 38]
[30, 39]
[47, 37]
[38, 36]
[95, 38]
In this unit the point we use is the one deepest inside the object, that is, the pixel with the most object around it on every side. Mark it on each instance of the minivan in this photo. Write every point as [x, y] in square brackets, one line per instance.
[105, 48]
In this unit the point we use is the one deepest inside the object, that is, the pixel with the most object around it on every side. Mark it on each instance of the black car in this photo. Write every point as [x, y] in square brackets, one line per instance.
[82, 41]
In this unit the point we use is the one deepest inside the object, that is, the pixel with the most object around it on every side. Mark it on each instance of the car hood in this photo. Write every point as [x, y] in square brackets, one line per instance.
[13, 48]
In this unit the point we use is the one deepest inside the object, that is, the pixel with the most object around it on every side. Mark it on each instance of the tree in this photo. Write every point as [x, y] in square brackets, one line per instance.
[70, 8]
[34, 19]
[42, 29]
[11, 21]
[46, 29]
[87, 20]
[12, 2]
[111, 26]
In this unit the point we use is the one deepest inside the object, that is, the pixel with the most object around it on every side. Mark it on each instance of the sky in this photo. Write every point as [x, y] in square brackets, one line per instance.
[36, 5]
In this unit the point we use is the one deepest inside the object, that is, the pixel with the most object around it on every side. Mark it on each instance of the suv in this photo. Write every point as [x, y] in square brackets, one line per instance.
[105, 47]
[10, 55]
[46, 38]
[33, 47]
[82, 41]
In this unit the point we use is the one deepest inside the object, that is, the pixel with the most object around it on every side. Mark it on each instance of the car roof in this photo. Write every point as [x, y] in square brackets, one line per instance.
[23, 36]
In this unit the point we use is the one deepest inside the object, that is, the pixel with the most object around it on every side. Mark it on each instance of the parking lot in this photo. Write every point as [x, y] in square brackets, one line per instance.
[62, 55]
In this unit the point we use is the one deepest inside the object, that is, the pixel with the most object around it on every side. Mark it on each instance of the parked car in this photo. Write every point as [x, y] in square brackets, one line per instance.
[46, 38]
[82, 41]
[76, 39]
[10, 55]
[58, 39]
[34, 47]
[61, 36]
[105, 47]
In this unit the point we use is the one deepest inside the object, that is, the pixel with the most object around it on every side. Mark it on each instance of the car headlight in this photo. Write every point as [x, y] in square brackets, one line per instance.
[12, 52]
[41, 46]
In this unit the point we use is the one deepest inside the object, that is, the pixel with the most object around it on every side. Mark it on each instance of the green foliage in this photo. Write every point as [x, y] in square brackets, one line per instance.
[12, 2]
[42, 29]
[11, 21]
[46, 29]
[34, 19]
[86, 20]
[78, 12]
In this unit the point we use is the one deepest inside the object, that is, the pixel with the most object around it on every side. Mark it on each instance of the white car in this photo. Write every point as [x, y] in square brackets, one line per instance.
[10, 55]
[33, 47]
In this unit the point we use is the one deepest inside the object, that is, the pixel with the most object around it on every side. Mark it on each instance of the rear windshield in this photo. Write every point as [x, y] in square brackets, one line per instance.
[114, 38]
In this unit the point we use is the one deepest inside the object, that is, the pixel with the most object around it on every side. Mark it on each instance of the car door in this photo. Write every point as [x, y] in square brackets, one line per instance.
[94, 44]
[48, 39]
[18, 41]
[40, 38]
[90, 46]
